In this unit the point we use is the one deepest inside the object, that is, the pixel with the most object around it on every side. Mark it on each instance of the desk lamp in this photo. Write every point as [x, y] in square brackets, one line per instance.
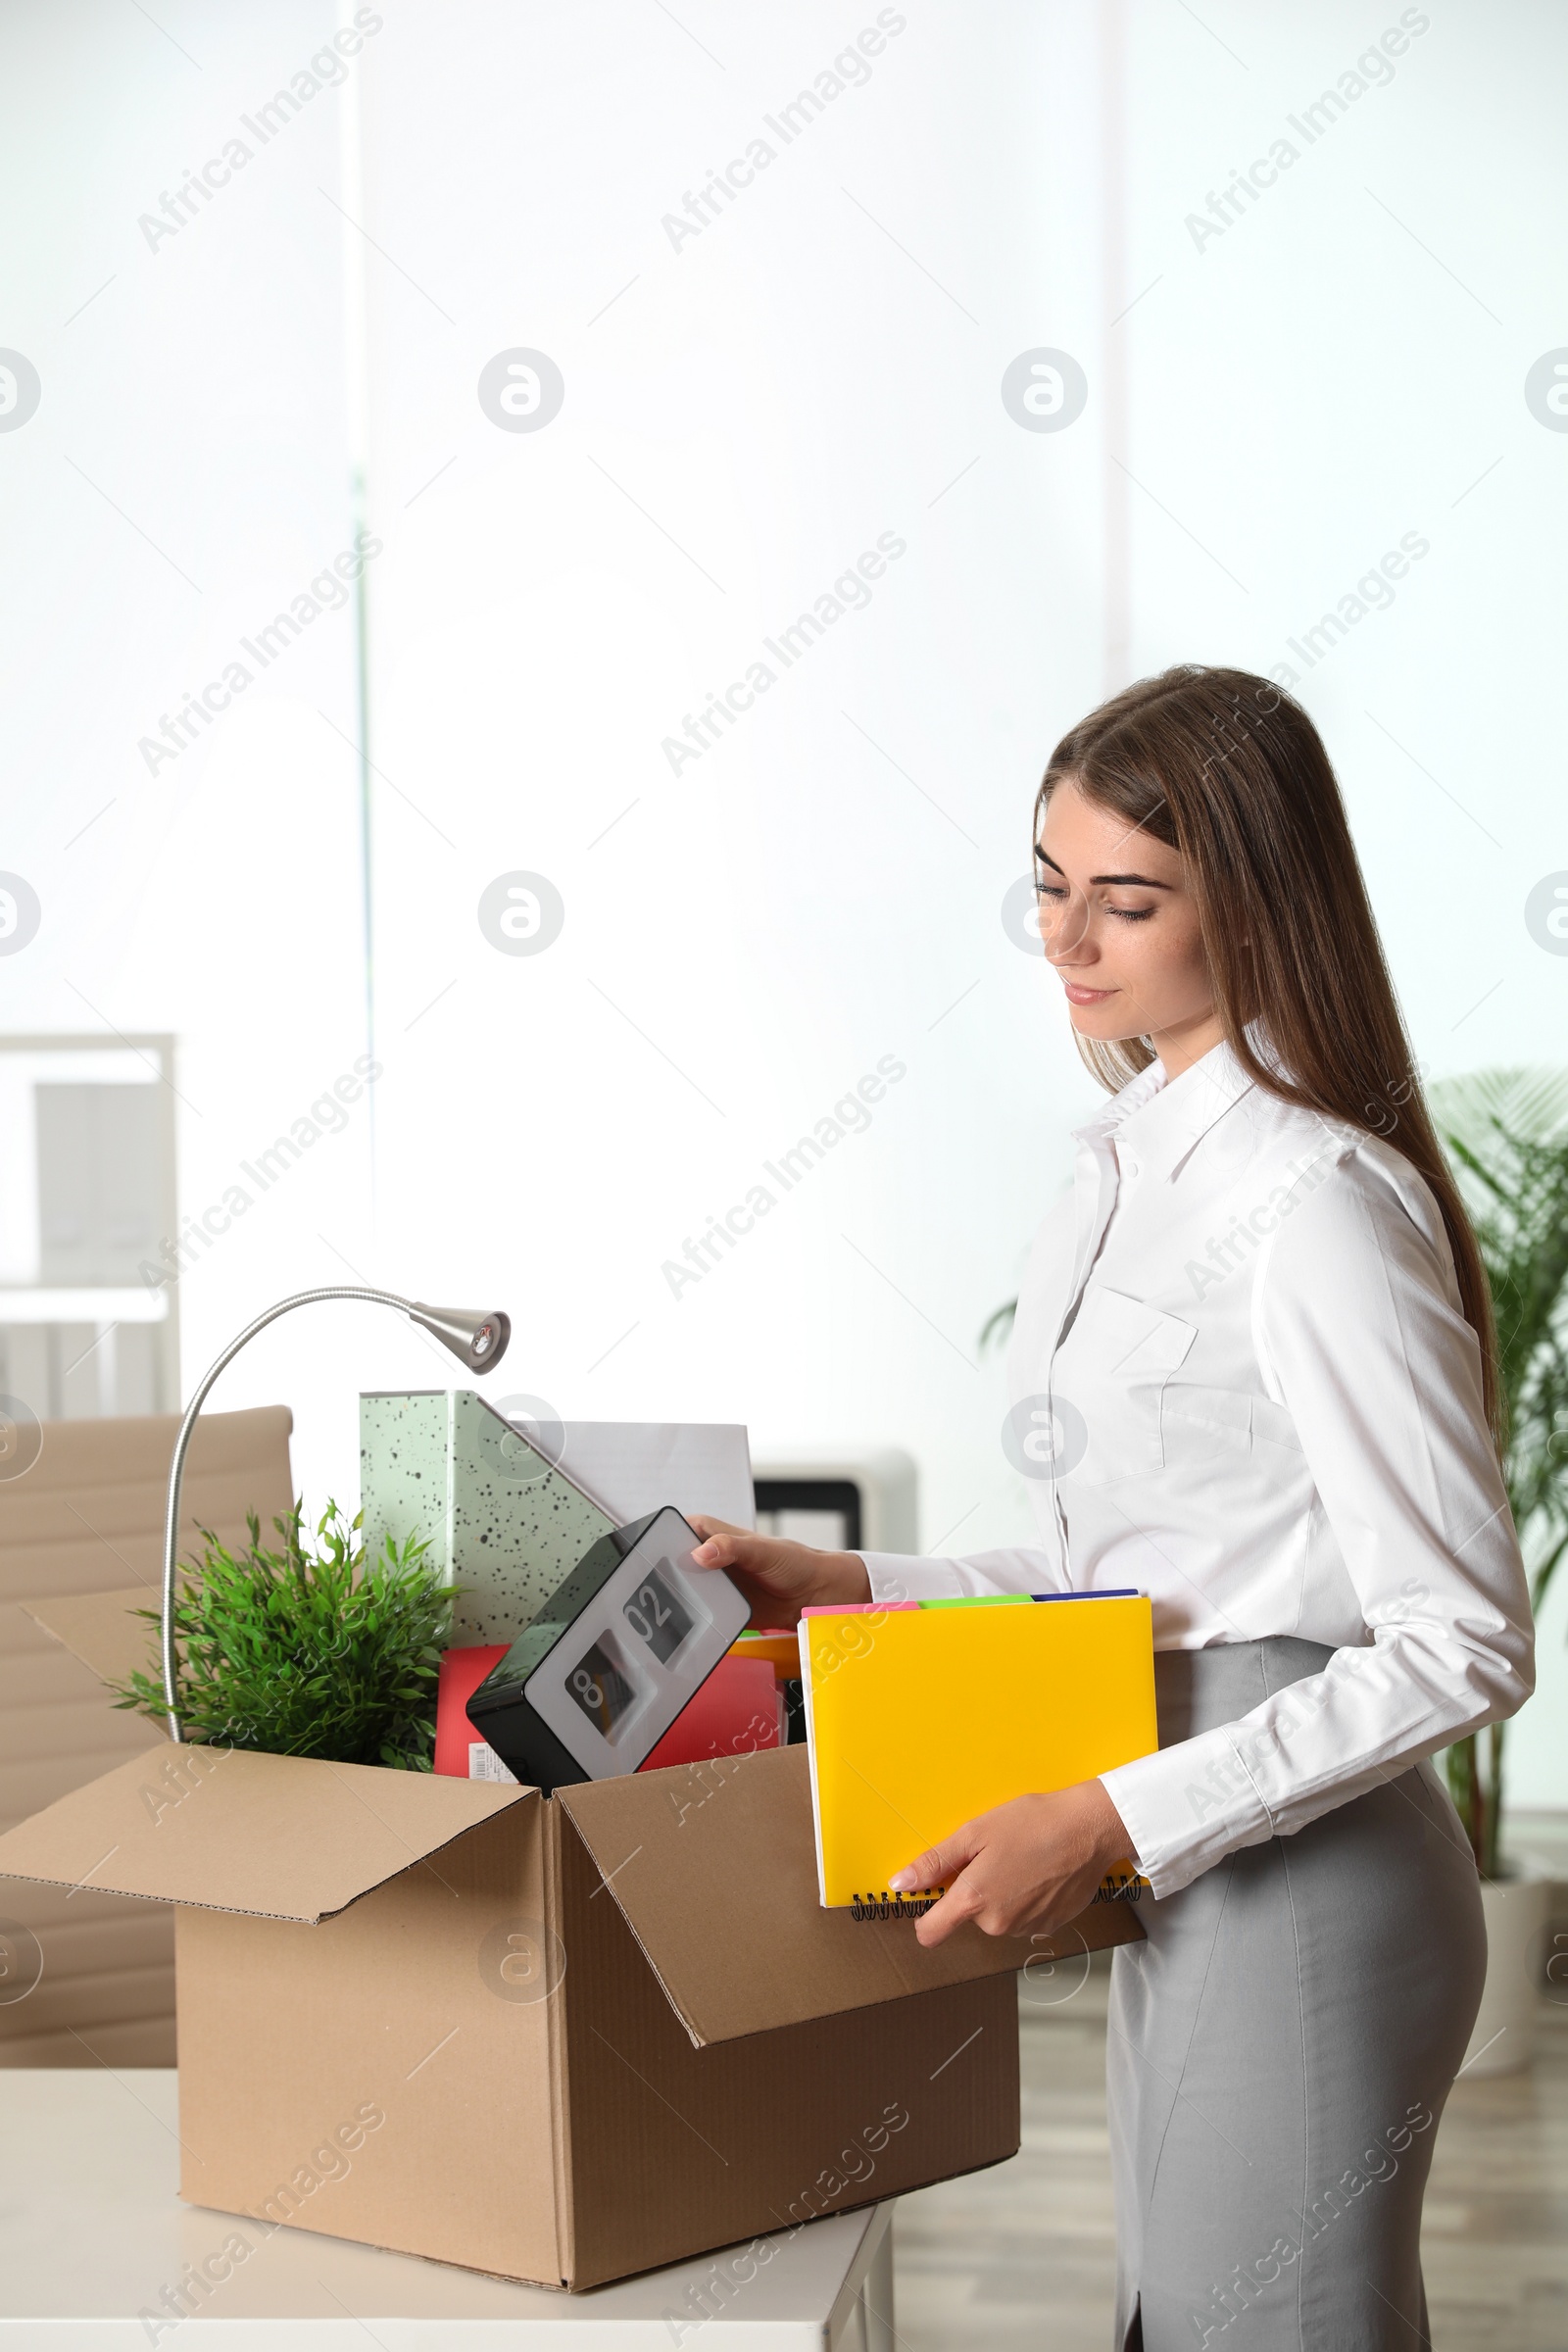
[477, 1341]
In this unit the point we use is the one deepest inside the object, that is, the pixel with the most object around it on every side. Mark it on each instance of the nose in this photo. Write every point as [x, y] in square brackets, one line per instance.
[1064, 931]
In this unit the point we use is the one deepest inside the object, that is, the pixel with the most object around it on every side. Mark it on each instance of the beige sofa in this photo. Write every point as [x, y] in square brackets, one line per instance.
[81, 1539]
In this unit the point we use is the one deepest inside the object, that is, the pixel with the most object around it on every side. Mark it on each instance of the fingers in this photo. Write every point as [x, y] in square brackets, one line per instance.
[1022, 1865]
[737, 1547]
[717, 1549]
[780, 1577]
[705, 1525]
[928, 1871]
[939, 1923]
[950, 1864]
[974, 1869]
[939, 1863]
[726, 1546]
[757, 1566]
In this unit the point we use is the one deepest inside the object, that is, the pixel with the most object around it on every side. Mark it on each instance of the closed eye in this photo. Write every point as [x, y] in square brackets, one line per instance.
[1125, 914]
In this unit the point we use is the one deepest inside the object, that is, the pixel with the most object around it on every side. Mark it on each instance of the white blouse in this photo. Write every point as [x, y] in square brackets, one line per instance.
[1243, 1383]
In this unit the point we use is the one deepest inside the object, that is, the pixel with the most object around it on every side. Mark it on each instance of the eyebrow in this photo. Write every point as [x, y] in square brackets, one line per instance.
[1143, 881]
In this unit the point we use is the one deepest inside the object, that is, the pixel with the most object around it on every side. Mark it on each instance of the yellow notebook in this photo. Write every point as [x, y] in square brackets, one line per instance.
[920, 1715]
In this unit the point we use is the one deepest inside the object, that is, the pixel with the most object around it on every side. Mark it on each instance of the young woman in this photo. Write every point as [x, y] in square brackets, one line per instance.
[1254, 1361]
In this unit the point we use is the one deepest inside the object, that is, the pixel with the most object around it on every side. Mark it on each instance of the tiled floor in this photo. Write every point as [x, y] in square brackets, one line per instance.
[1022, 2255]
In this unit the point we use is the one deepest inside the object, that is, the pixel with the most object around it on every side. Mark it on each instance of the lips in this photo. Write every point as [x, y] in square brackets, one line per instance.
[1076, 995]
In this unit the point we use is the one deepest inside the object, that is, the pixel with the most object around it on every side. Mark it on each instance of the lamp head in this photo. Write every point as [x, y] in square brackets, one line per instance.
[477, 1341]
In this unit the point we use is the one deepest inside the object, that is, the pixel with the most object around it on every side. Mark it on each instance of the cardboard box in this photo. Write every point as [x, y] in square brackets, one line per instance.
[560, 2041]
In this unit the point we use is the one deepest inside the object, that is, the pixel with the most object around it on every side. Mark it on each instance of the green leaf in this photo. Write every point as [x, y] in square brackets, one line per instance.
[1506, 1133]
[310, 1648]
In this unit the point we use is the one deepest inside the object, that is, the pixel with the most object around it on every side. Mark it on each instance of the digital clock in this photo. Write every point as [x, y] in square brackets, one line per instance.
[597, 1685]
[595, 1681]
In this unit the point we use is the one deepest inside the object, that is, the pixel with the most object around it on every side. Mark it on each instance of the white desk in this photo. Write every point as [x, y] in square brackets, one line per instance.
[91, 2233]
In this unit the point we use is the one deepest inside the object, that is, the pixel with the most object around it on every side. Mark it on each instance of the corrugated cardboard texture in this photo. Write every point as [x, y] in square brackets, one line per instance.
[472, 2058]
[767, 1954]
[88, 1521]
[428, 2003]
[103, 1630]
[475, 2064]
[674, 2150]
[230, 1830]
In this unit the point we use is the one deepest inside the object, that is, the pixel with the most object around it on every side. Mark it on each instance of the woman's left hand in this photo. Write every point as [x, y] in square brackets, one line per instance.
[1033, 1862]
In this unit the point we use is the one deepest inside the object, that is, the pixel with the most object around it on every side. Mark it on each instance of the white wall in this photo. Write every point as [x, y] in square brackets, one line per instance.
[1344, 364]
[751, 931]
[743, 415]
[185, 479]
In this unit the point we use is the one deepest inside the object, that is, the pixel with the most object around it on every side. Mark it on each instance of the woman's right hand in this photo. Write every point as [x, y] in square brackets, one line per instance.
[780, 1579]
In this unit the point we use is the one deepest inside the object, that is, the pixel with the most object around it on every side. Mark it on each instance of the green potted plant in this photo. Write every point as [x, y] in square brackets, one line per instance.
[1506, 1133]
[311, 1649]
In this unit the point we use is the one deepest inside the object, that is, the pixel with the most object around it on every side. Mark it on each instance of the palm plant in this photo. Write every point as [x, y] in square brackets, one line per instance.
[1506, 1133]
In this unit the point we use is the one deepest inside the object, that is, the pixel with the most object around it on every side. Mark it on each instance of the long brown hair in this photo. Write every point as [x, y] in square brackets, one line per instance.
[1227, 770]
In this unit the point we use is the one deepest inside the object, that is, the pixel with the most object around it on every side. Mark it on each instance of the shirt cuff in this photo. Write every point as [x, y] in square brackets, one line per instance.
[1187, 1807]
[901, 1576]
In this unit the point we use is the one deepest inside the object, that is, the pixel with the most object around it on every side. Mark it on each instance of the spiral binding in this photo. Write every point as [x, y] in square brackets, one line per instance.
[1125, 1887]
[892, 1906]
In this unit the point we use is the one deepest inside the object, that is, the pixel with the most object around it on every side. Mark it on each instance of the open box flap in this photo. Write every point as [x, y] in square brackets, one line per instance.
[102, 1629]
[232, 1829]
[713, 1867]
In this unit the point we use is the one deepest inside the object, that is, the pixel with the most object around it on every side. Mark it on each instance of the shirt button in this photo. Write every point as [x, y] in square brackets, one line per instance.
[1129, 1167]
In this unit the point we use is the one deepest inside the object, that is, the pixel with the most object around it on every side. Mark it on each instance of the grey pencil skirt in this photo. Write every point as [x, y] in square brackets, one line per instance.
[1279, 2053]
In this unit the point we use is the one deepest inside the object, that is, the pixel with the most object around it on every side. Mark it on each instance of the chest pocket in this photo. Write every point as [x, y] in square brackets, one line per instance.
[1198, 1424]
[1114, 1367]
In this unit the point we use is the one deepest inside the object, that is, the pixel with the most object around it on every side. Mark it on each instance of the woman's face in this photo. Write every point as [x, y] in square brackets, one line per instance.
[1121, 926]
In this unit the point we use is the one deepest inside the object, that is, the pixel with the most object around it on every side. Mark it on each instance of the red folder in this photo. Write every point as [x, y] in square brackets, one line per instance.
[735, 1711]
[462, 1673]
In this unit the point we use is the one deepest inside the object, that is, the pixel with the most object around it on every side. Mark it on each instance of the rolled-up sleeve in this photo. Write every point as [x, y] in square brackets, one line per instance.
[1360, 1335]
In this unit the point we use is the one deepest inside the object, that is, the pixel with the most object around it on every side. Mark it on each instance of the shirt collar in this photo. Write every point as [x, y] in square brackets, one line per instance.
[1162, 1120]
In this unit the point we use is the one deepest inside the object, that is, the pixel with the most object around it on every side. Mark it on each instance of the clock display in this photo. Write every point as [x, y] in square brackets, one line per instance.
[657, 1617]
[597, 1686]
